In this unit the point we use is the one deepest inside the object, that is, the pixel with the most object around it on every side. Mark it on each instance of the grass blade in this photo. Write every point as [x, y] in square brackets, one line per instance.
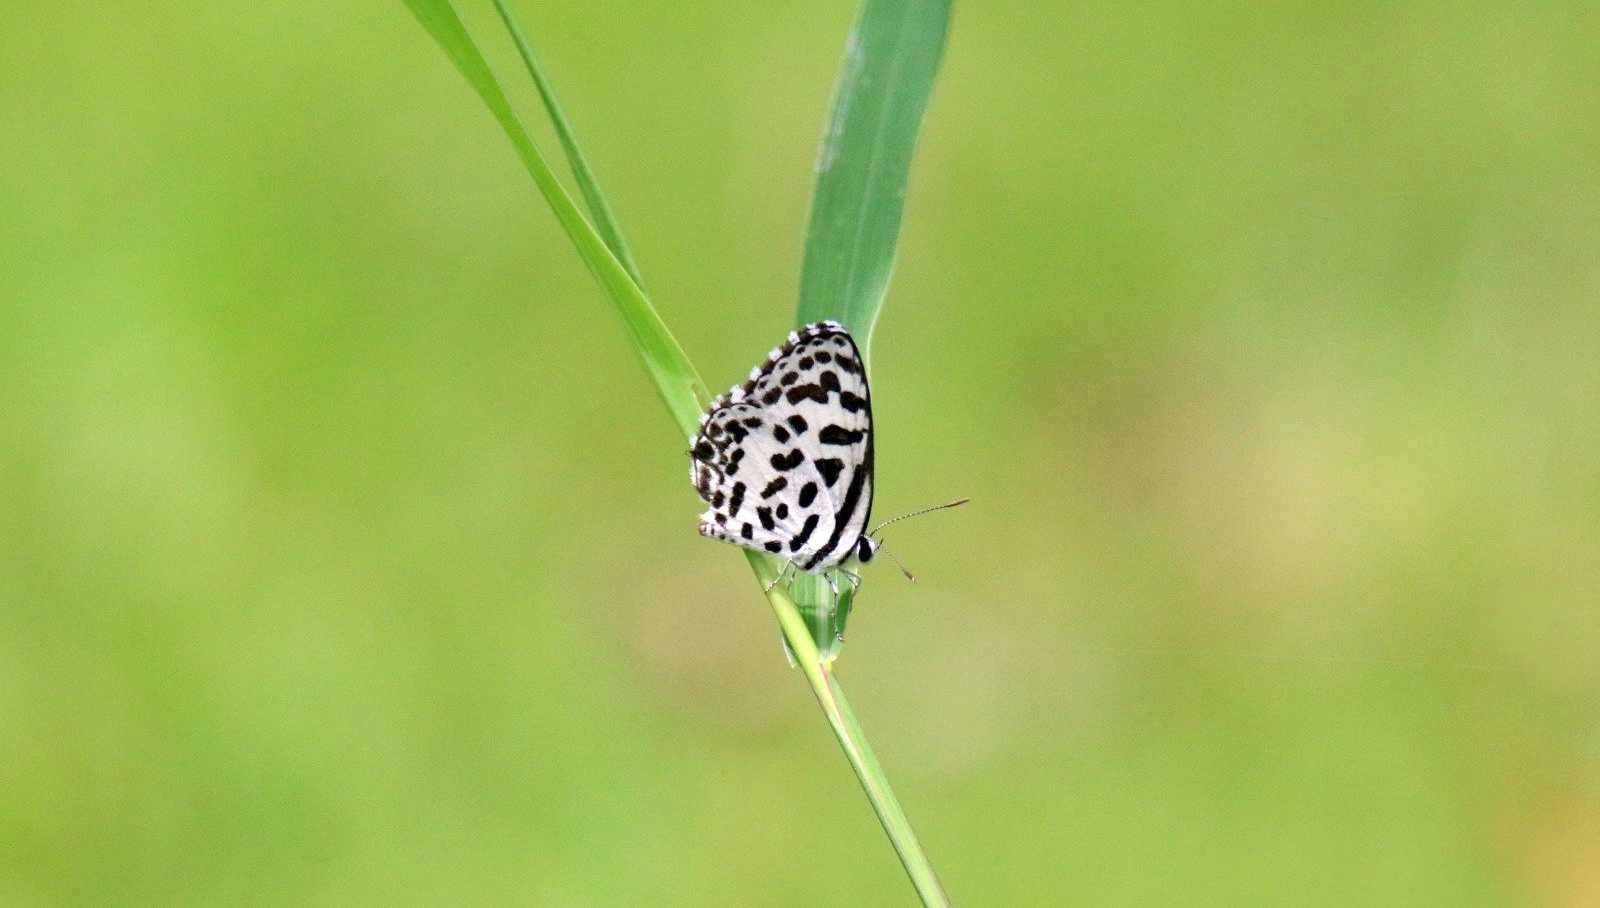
[604, 222]
[674, 376]
[883, 86]
[884, 82]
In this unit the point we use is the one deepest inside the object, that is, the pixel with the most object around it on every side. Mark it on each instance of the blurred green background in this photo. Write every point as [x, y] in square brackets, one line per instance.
[347, 557]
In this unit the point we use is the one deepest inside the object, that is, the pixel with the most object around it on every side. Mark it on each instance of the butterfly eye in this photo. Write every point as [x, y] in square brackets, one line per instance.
[865, 550]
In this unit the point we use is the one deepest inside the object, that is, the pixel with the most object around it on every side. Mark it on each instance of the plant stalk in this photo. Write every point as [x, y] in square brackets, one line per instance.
[852, 739]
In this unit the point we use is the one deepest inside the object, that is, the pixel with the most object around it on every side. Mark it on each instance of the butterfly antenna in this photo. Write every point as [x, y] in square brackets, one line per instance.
[909, 576]
[938, 507]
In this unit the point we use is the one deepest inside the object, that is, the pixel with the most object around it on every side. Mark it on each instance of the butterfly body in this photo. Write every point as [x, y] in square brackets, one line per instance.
[785, 459]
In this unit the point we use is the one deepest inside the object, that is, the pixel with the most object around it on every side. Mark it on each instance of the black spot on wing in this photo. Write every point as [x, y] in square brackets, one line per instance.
[824, 356]
[747, 531]
[737, 499]
[782, 510]
[771, 397]
[788, 462]
[703, 451]
[808, 494]
[781, 434]
[830, 468]
[806, 530]
[828, 379]
[851, 402]
[839, 435]
[805, 363]
[805, 392]
[774, 546]
[765, 515]
[774, 487]
[797, 423]
[789, 378]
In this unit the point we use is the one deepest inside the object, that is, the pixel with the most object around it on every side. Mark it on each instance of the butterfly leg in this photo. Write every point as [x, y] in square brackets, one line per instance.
[833, 585]
[854, 578]
[787, 567]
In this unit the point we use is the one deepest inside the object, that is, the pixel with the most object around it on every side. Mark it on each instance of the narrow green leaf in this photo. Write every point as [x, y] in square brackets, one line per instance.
[890, 62]
[604, 221]
[674, 376]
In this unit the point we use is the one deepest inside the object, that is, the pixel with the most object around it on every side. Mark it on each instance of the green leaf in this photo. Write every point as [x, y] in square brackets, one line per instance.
[890, 62]
[884, 81]
[674, 376]
[604, 222]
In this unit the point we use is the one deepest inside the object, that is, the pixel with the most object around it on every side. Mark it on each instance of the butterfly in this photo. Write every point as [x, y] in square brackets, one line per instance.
[785, 460]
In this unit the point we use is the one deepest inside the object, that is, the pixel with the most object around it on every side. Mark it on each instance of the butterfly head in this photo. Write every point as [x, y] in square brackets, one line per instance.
[866, 548]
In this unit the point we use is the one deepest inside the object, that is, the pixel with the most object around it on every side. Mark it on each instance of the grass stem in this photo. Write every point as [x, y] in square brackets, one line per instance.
[852, 739]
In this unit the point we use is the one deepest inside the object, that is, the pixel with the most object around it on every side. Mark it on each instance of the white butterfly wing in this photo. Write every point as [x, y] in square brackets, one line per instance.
[786, 461]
